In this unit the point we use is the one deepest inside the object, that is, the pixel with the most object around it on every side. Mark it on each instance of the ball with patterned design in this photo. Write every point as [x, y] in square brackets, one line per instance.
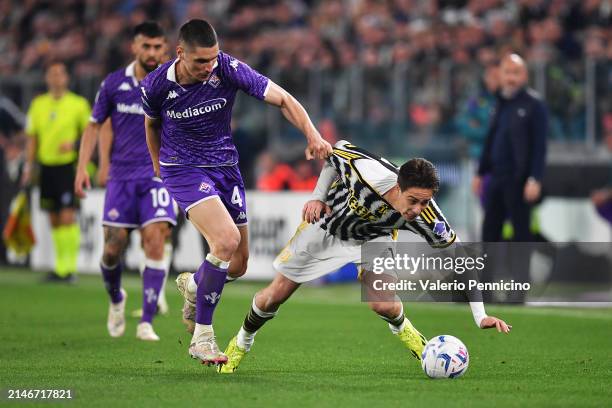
[445, 356]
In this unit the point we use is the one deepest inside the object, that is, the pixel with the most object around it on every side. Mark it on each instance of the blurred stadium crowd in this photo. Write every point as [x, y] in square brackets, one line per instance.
[397, 76]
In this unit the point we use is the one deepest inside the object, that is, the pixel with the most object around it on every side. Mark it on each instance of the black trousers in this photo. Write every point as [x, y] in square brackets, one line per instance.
[504, 200]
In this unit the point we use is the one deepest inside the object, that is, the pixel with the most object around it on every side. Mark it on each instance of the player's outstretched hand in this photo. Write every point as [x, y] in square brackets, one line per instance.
[318, 149]
[81, 180]
[490, 322]
[313, 210]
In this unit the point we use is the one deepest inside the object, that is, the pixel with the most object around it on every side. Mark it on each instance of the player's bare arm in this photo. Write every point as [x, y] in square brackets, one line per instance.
[295, 113]
[88, 144]
[104, 152]
[153, 131]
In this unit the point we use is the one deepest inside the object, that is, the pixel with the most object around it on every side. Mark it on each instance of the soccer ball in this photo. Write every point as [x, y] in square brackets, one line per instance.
[445, 357]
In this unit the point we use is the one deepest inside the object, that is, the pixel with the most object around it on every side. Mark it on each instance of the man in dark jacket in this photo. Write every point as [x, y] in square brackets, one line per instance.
[514, 154]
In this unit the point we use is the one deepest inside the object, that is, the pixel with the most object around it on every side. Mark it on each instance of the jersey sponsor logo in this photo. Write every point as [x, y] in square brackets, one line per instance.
[359, 209]
[211, 105]
[172, 94]
[125, 87]
[134, 108]
[205, 187]
[213, 297]
[234, 64]
[161, 212]
[214, 81]
[113, 214]
[242, 215]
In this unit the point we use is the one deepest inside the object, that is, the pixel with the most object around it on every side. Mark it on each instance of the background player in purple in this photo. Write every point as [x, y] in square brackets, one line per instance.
[188, 105]
[134, 198]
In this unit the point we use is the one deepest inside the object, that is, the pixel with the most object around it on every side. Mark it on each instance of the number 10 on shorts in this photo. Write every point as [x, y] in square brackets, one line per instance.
[160, 197]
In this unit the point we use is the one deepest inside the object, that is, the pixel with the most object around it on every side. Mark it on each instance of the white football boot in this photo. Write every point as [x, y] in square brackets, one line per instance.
[144, 331]
[116, 317]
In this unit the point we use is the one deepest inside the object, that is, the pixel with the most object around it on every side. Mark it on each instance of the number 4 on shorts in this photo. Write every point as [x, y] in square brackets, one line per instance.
[236, 199]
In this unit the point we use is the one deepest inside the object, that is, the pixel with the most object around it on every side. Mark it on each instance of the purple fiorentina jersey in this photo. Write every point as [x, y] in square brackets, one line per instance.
[119, 97]
[196, 118]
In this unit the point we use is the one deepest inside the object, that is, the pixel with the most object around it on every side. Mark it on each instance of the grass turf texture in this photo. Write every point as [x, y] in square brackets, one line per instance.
[325, 348]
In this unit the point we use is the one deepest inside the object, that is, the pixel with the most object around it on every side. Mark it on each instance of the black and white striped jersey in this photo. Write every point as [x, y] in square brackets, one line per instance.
[360, 213]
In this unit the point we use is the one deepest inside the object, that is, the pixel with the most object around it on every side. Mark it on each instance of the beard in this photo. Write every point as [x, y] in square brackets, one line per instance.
[148, 68]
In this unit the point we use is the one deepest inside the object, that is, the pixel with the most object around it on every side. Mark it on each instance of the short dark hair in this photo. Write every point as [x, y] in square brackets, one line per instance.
[418, 173]
[149, 29]
[198, 33]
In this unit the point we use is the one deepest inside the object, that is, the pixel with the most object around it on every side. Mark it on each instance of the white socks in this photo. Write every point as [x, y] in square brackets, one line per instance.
[244, 339]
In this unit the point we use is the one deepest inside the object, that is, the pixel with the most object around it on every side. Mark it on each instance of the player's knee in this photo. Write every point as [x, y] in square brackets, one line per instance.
[226, 244]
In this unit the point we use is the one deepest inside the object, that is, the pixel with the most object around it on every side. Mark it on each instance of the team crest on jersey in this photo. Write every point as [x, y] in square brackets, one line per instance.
[214, 81]
[205, 187]
[172, 94]
[440, 229]
[113, 214]
[124, 87]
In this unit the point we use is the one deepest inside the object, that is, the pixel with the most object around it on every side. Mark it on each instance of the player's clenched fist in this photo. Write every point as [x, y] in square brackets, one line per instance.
[313, 210]
[81, 180]
[318, 149]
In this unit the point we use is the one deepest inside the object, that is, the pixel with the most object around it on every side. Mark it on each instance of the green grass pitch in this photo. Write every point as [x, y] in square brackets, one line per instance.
[324, 349]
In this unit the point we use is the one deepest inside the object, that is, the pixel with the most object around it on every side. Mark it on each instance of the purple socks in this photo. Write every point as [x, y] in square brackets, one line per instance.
[112, 281]
[152, 281]
[210, 280]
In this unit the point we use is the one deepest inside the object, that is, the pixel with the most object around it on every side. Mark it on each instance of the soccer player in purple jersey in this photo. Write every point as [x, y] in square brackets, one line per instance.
[188, 106]
[134, 198]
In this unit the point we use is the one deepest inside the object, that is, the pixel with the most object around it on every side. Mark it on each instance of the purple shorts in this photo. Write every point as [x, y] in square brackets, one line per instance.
[137, 203]
[191, 185]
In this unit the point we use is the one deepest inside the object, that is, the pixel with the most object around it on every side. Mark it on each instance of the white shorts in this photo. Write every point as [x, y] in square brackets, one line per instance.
[313, 252]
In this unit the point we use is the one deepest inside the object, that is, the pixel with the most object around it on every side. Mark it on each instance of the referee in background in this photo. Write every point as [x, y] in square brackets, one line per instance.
[55, 120]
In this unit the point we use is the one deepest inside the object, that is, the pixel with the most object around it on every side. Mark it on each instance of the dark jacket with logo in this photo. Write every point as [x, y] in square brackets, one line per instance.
[524, 125]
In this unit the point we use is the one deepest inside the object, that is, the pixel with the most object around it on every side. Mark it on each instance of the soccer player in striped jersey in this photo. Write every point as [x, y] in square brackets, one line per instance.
[363, 197]
[134, 197]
